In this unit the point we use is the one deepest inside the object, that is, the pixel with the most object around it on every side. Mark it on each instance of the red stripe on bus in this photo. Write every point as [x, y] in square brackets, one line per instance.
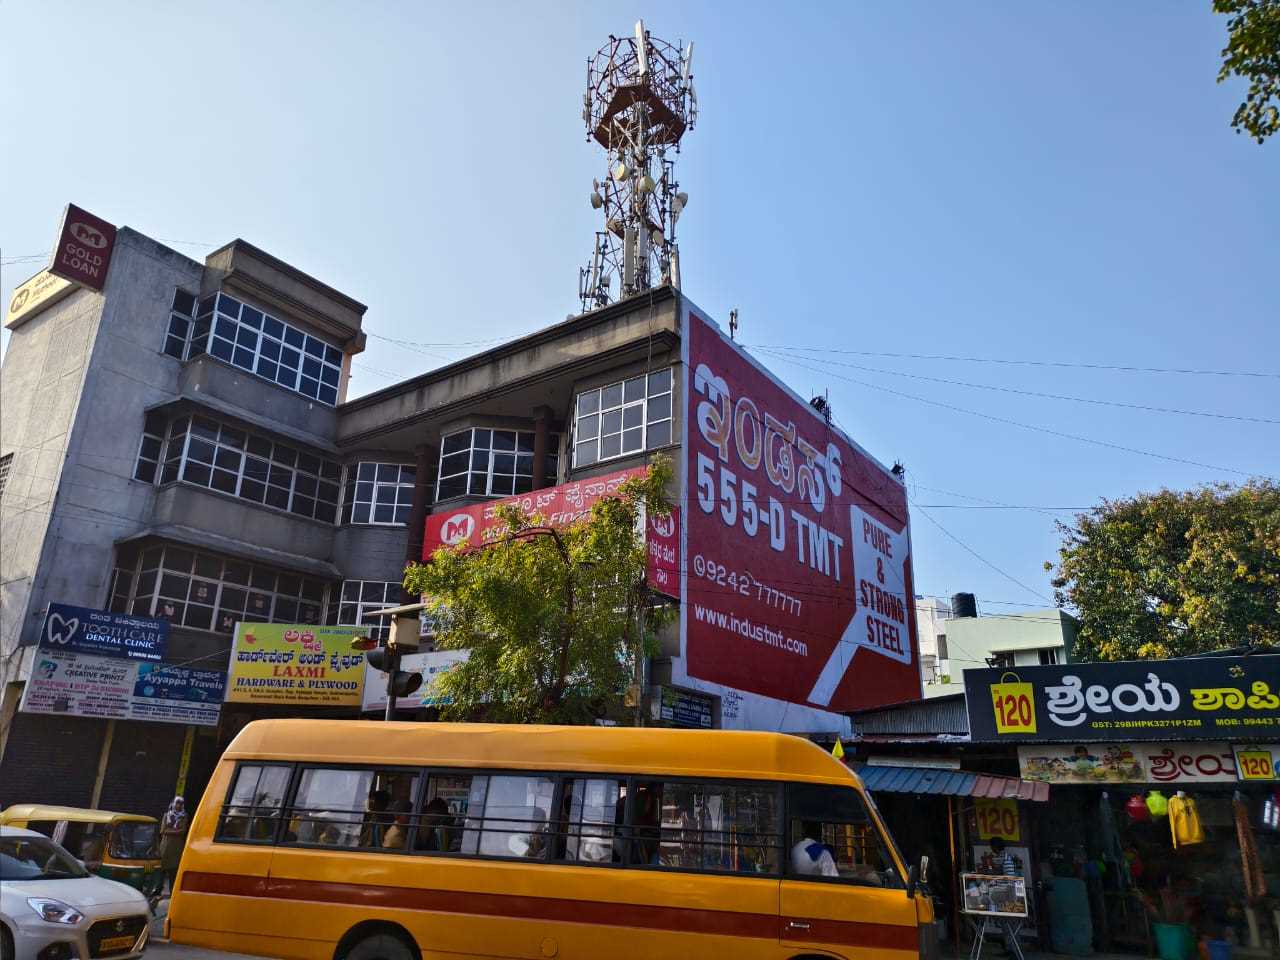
[679, 919]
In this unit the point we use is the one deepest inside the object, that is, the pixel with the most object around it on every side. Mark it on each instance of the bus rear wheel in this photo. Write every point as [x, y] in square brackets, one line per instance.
[382, 946]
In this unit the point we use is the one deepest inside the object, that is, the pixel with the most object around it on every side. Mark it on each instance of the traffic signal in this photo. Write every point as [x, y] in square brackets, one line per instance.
[400, 683]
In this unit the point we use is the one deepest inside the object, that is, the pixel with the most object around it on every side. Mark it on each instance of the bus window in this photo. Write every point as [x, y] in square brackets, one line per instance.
[590, 817]
[444, 811]
[708, 826]
[352, 808]
[508, 816]
[832, 836]
[252, 810]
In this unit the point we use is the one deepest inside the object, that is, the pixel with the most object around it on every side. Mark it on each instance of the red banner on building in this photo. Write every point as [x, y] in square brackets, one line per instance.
[480, 524]
[84, 248]
[798, 567]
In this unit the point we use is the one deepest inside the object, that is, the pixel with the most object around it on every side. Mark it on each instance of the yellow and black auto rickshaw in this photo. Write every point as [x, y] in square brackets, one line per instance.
[118, 846]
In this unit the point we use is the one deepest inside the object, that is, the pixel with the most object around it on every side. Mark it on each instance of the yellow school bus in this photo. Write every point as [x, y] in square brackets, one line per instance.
[355, 840]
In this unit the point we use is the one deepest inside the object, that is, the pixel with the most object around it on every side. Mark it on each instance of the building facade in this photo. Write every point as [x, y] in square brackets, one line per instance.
[179, 447]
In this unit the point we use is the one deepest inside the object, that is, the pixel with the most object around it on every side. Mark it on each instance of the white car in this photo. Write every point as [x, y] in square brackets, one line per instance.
[52, 908]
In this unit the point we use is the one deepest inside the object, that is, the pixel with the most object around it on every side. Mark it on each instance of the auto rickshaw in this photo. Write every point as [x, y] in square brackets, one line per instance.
[118, 846]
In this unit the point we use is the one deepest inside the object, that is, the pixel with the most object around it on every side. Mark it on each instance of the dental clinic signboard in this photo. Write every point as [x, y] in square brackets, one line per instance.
[92, 663]
[797, 580]
[1197, 698]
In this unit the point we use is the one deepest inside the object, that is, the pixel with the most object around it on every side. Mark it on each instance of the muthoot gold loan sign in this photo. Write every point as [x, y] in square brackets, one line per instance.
[295, 663]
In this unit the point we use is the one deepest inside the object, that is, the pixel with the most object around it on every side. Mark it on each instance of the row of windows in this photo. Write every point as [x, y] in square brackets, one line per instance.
[674, 824]
[204, 591]
[348, 606]
[379, 493]
[482, 462]
[252, 340]
[623, 418]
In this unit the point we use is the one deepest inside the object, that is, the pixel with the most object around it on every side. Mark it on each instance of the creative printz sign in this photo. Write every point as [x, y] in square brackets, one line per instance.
[295, 663]
[83, 253]
[798, 554]
[561, 506]
[1099, 763]
[81, 630]
[1201, 698]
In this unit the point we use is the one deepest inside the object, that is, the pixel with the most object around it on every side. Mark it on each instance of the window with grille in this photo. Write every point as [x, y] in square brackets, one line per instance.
[378, 493]
[246, 337]
[204, 591]
[222, 457]
[178, 333]
[6, 463]
[348, 606]
[483, 462]
[623, 418]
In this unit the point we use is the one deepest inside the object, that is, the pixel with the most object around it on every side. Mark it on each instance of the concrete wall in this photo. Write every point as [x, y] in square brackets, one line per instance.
[971, 640]
[76, 380]
[186, 505]
[371, 553]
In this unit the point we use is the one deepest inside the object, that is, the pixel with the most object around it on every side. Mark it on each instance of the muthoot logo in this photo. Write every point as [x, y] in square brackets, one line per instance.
[458, 528]
[89, 236]
[664, 526]
[19, 299]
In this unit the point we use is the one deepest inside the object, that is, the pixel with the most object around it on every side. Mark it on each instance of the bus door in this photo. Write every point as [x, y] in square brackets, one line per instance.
[842, 891]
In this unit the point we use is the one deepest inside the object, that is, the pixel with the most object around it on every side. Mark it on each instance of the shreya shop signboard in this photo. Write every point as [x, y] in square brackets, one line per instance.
[1195, 698]
[797, 573]
[295, 663]
[1191, 762]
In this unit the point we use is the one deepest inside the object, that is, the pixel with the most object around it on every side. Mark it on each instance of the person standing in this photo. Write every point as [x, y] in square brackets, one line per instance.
[173, 833]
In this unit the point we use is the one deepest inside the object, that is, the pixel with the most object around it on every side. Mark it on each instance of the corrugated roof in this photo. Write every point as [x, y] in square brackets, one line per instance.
[933, 716]
[951, 783]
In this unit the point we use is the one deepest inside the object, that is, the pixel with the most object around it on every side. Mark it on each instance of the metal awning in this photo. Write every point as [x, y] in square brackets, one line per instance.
[951, 783]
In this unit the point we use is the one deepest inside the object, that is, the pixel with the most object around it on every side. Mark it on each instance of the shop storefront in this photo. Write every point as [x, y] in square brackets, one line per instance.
[1161, 834]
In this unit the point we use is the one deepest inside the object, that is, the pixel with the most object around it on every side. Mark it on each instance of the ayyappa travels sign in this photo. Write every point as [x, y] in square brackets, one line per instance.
[1200, 698]
[295, 663]
[81, 630]
[83, 253]
[798, 581]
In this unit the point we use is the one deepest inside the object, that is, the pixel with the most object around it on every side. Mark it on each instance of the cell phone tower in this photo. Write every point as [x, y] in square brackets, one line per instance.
[639, 103]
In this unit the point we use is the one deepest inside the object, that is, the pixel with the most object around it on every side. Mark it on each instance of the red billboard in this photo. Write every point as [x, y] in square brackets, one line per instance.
[480, 524]
[84, 248]
[797, 576]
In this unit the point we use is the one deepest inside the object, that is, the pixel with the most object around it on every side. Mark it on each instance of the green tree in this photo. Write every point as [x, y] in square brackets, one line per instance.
[554, 619]
[1253, 53]
[1170, 574]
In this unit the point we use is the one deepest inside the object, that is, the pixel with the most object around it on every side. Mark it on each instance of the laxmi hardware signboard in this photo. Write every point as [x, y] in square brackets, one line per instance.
[295, 663]
[797, 559]
[1197, 698]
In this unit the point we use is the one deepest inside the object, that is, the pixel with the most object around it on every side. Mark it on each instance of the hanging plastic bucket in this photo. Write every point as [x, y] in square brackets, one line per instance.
[1219, 950]
[1173, 941]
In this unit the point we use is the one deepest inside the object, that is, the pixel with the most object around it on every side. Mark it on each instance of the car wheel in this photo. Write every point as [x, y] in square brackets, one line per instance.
[384, 946]
[6, 944]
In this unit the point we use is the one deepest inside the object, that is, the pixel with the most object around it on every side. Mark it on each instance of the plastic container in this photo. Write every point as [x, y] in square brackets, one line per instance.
[1219, 950]
[1173, 941]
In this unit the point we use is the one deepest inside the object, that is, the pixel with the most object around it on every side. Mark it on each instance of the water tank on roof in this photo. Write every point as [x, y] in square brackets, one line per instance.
[964, 605]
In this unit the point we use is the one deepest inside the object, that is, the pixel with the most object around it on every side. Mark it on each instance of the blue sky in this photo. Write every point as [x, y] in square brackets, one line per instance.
[1050, 183]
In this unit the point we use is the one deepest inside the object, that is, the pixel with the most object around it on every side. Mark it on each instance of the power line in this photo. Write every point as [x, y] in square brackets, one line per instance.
[1035, 393]
[1030, 363]
[1017, 423]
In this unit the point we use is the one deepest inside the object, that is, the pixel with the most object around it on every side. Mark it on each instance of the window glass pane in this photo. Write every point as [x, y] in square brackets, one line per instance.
[272, 326]
[305, 484]
[504, 440]
[227, 459]
[611, 396]
[228, 305]
[250, 316]
[388, 473]
[590, 821]
[634, 389]
[225, 329]
[611, 446]
[660, 408]
[311, 367]
[294, 337]
[632, 416]
[329, 807]
[660, 382]
[516, 820]
[524, 442]
[451, 487]
[184, 302]
[254, 803]
[633, 440]
[586, 454]
[588, 427]
[708, 826]
[328, 395]
[456, 442]
[360, 513]
[588, 402]
[482, 439]
[247, 338]
[831, 834]
[611, 422]
[659, 434]
[199, 617]
[314, 347]
[384, 513]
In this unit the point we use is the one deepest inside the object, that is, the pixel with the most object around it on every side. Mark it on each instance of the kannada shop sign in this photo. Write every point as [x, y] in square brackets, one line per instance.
[1101, 763]
[83, 254]
[31, 296]
[295, 663]
[116, 688]
[798, 554]
[560, 506]
[1202, 698]
[81, 630]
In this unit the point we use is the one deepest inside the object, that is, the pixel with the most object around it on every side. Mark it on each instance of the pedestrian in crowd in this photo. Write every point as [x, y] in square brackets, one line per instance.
[173, 834]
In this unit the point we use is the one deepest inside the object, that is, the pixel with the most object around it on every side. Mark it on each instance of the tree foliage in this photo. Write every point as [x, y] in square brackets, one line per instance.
[553, 618]
[1170, 574]
[1253, 53]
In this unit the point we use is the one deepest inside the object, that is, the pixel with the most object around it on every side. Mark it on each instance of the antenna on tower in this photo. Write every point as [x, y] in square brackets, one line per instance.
[639, 103]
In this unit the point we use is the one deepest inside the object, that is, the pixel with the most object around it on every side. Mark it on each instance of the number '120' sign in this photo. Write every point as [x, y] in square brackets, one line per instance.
[1014, 705]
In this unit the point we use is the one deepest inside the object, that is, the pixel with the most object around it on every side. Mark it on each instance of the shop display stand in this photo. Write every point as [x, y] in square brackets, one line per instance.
[1011, 929]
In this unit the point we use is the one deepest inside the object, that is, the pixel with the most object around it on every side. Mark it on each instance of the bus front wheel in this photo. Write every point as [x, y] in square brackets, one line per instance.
[381, 946]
